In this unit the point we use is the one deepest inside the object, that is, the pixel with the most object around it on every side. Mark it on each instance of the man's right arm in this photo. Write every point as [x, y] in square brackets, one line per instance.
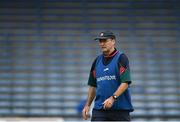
[91, 96]
[91, 91]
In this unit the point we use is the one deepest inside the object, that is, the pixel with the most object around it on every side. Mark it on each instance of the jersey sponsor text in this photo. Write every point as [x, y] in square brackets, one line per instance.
[111, 77]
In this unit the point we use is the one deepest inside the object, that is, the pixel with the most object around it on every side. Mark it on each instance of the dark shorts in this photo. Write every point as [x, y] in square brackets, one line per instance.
[110, 115]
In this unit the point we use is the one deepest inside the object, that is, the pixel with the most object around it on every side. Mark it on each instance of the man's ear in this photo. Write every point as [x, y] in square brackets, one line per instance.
[113, 40]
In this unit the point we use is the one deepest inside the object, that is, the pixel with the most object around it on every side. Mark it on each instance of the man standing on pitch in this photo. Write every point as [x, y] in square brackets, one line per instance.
[109, 82]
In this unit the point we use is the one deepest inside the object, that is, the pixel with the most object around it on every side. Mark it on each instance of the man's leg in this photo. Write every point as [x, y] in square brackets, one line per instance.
[98, 115]
[118, 115]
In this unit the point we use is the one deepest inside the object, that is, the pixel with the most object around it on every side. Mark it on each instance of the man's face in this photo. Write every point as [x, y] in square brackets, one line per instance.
[106, 45]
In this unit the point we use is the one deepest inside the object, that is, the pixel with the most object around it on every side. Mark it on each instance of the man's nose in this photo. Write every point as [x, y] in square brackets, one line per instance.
[101, 43]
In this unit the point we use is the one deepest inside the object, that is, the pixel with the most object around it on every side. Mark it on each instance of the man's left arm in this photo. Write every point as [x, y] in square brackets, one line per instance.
[125, 80]
[109, 102]
[124, 71]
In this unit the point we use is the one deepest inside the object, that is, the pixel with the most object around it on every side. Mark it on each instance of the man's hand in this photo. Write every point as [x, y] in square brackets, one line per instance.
[108, 103]
[85, 112]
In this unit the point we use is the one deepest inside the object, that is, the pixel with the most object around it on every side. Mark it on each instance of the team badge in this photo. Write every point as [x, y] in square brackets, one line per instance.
[101, 34]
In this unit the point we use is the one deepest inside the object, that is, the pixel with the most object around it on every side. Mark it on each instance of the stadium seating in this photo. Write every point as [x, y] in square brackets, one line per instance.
[47, 48]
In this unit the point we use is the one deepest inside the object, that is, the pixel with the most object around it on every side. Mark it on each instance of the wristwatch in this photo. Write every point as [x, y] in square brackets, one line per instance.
[115, 97]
